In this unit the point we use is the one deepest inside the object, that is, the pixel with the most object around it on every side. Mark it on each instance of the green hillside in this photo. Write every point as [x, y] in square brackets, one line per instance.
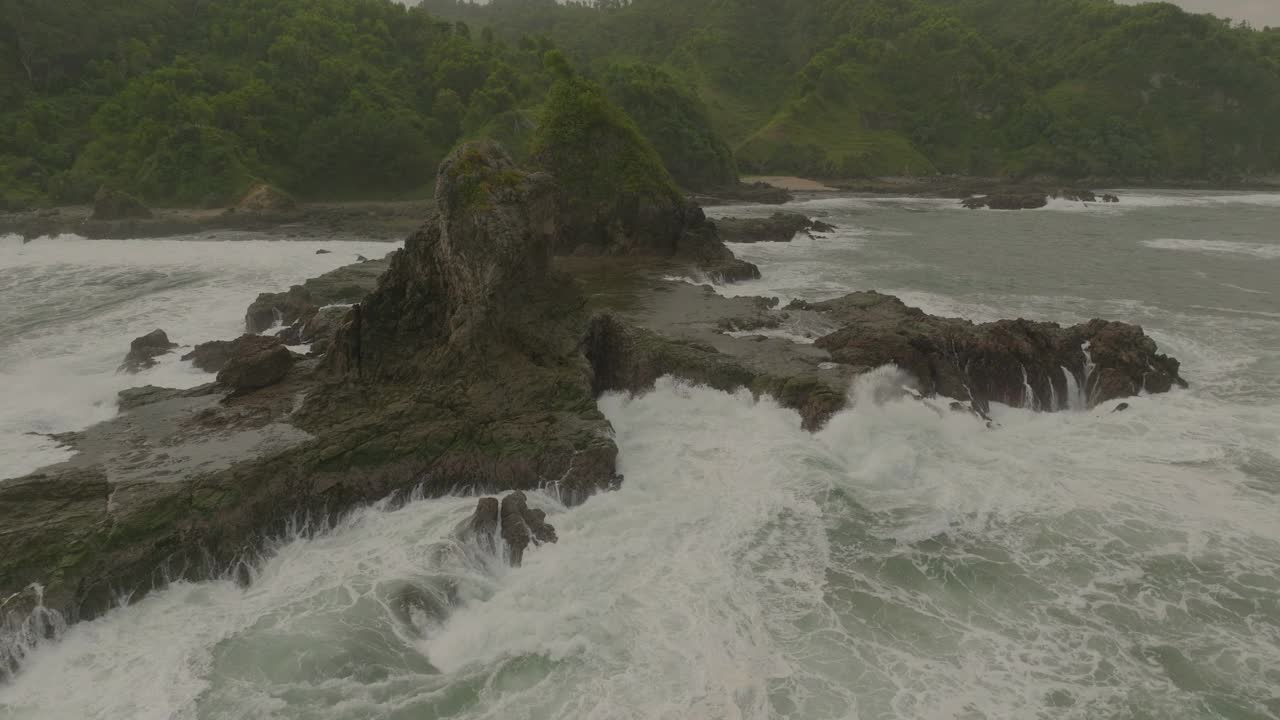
[875, 87]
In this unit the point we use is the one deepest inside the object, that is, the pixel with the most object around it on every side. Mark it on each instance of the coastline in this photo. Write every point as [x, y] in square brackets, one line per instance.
[392, 220]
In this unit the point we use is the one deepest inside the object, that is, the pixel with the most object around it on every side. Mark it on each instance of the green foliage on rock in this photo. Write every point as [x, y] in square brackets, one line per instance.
[591, 147]
[674, 120]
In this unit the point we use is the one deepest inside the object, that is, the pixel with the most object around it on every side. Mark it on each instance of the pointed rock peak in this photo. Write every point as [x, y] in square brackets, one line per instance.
[467, 274]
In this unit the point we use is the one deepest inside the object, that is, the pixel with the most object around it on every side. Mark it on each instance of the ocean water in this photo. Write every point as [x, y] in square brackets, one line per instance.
[901, 563]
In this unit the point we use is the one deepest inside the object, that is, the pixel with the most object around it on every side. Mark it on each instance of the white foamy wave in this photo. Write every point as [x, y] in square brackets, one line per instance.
[905, 562]
[1257, 250]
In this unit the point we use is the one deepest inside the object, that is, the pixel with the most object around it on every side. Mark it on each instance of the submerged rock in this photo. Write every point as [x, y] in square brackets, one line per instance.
[112, 204]
[779, 227]
[143, 351]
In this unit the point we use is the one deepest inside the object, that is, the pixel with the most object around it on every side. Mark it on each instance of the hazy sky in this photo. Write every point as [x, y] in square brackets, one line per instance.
[1258, 12]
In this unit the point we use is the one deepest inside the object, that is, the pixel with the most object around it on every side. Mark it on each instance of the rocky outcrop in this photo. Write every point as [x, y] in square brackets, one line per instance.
[779, 227]
[300, 303]
[144, 350]
[615, 196]
[754, 192]
[1035, 365]
[112, 204]
[213, 356]
[265, 199]
[511, 522]
[462, 369]
[1109, 198]
[1007, 201]
[626, 356]
[255, 366]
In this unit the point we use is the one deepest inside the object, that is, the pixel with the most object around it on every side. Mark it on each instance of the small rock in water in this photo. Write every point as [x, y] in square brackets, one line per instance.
[1121, 407]
[521, 526]
[322, 252]
[143, 351]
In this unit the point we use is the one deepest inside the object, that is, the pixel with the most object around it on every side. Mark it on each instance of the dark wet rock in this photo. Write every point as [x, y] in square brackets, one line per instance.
[265, 199]
[343, 286]
[511, 521]
[522, 527]
[779, 227]
[137, 397]
[756, 192]
[1109, 198]
[256, 366]
[627, 357]
[482, 527]
[143, 351]
[213, 356]
[1121, 407]
[291, 335]
[323, 252]
[1016, 362]
[112, 204]
[1076, 195]
[1007, 201]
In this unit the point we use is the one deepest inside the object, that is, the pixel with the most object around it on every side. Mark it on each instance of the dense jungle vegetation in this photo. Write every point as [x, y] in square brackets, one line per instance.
[190, 101]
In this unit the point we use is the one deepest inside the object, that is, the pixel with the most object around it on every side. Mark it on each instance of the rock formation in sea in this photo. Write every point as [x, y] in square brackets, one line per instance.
[1036, 365]
[778, 227]
[144, 350]
[1007, 201]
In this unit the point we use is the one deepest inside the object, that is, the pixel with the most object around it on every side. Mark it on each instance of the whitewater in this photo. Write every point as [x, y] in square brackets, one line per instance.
[900, 563]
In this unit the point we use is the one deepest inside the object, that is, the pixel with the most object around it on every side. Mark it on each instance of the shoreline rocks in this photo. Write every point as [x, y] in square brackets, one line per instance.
[779, 227]
[144, 350]
[1035, 365]
[1007, 201]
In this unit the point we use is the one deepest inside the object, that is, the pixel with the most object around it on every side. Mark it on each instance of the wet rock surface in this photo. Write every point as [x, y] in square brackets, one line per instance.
[510, 522]
[1007, 201]
[256, 366]
[1036, 365]
[144, 350]
[779, 227]
[214, 355]
[299, 304]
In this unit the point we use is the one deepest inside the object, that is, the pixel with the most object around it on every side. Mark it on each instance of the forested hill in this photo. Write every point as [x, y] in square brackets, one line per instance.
[987, 87]
[190, 101]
